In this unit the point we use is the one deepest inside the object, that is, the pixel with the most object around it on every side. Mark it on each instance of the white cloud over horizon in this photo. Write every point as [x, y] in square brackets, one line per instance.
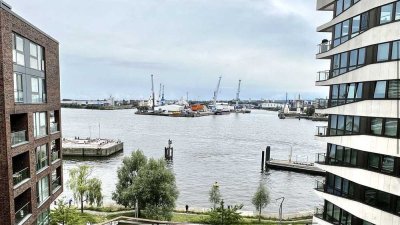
[112, 47]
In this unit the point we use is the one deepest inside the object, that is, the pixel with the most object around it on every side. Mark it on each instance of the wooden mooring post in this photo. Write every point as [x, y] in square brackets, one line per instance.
[169, 151]
[265, 159]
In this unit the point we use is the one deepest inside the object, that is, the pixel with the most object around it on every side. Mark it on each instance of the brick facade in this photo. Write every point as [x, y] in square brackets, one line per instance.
[12, 23]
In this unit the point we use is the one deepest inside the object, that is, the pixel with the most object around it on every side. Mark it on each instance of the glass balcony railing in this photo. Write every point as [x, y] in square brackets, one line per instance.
[18, 96]
[319, 212]
[53, 127]
[319, 185]
[55, 155]
[22, 213]
[323, 75]
[322, 131]
[324, 46]
[20, 176]
[18, 137]
[55, 184]
[320, 158]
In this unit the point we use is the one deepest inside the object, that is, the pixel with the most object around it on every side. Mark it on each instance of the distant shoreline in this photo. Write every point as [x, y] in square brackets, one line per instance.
[97, 107]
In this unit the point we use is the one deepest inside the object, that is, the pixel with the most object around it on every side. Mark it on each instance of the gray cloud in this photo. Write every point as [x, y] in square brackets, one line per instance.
[111, 47]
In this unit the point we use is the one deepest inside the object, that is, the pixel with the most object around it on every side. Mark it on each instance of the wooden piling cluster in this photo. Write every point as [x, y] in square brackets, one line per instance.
[169, 151]
[264, 160]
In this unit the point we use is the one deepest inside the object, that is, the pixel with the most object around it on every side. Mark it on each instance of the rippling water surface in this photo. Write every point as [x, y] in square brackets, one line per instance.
[224, 148]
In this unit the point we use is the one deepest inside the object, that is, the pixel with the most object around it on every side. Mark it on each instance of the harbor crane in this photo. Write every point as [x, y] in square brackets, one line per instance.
[152, 92]
[216, 93]
[237, 95]
[162, 96]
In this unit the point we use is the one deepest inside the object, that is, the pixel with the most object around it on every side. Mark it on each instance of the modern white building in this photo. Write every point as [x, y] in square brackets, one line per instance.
[362, 159]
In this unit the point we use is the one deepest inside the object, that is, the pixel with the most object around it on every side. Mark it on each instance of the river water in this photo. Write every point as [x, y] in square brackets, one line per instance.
[224, 148]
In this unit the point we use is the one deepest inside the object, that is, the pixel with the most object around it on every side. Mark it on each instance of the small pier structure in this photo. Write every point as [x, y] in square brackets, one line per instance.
[91, 147]
[289, 165]
[169, 151]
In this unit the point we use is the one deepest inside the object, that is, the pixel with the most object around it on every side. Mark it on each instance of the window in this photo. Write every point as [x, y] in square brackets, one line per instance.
[373, 160]
[18, 88]
[42, 158]
[391, 127]
[18, 50]
[36, 56]
[396, 48]
[38, 90]
[376, 126]
[44, 218]
[388, 164]
[341, 32]
[383, 200]
[370, 196]
[42, 189]
[393, 89]
[339, 7]
[340, 125]
[40, 125]
[348, 61]
[343, 63]
[356, 124]
[397, 13]
[383, 52]
[355, 27]
[386, 14]
[380, 89]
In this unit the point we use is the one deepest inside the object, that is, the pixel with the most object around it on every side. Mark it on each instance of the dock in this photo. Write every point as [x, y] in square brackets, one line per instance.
[300, 167]
[91, 147]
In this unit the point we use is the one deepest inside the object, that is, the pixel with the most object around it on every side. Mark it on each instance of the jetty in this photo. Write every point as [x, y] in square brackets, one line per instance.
[301, 167]
[91, 147]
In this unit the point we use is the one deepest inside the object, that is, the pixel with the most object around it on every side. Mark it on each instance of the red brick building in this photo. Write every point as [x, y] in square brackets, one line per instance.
[30, 128]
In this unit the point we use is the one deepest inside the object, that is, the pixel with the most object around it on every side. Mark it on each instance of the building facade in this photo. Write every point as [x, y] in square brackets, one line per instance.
[362, 159]
[30, 137]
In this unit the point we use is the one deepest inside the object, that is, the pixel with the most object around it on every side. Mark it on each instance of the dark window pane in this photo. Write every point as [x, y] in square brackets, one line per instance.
[383, 52]
[394, 89]
[335, 91]
[329, 209]
[353, 58]
[359, 90]
[340, 126]
[376, 126]
[347, 155]
[398, 206]
[356, 124]
[380, 89]
[339, 7]
[396, 48]
[333, 121]
[388, 164]
[391, 127]
[370, 196]
[338, 30]
[338, 183]
[386, 14]
[339, 153]
[364, 21]
[343, 91]
[349, 124]
[373, 160]
[383, 200]
[353, 157]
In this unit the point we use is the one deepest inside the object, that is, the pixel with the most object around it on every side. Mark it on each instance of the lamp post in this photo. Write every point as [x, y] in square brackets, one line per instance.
[280, 209]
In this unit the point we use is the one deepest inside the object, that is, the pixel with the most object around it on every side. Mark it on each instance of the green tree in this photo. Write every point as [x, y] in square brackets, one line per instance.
[156, 189]
[214, 195]
[260, 199]
[85, 188]
[63, 214]
[221, 215]
[127, 173]
[148, 181]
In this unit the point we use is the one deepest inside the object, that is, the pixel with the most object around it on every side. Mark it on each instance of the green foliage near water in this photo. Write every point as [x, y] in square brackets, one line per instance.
[260, 199]
[85, 188]
[222, 215]
[150, 182]
[214, 195]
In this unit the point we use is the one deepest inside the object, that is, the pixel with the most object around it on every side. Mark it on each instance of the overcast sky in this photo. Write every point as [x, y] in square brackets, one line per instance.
[111, 47]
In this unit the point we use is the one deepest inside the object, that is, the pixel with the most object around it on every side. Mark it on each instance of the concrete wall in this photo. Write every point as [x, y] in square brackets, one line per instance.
[93, 152]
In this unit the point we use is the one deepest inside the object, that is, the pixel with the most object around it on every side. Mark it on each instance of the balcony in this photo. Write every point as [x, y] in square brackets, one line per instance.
[21, 176]
[323, 75]
[324, 46]
[18, 137]
[319, 186]
[55, 184]
[322, 131]
[18, 96]
[53, 127]
[22, 214]
[320, 158]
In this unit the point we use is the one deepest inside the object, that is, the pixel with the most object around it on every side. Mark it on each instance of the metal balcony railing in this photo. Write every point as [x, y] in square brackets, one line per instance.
[319, 185]
[320, 158]
[322, 131]
[55, 155]
[324, 46]
[23, 212]
[18, 137]
[323, 75]
[55, 184]
[319, 211]
[53, 127]
[20, 176]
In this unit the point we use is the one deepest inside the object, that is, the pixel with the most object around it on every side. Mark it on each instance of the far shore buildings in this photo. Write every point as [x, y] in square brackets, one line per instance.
[30, 159]
[361, 159]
